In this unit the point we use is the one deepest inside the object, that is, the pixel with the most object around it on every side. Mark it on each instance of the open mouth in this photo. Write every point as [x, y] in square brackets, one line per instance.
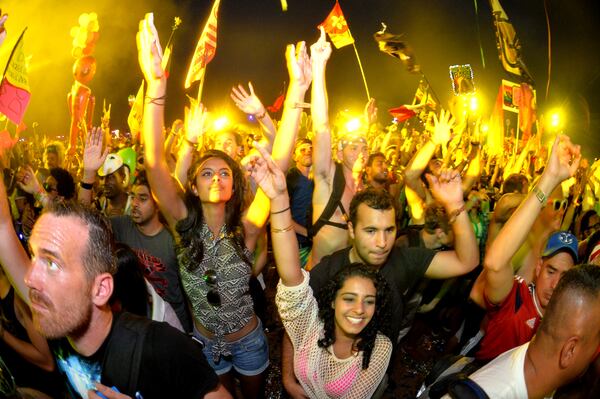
[355, 320]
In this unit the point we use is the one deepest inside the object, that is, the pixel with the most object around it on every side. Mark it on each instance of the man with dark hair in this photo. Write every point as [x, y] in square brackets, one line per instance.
[372, 227]
[376, 171]
[60, 183]
[68, 283]
[154, 245]
[566, 342]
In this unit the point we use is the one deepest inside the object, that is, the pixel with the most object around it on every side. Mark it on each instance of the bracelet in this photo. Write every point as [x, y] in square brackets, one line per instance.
[39, 196]
[540, 195]
[281, 211]
[274, 230]
[454, 214]
[86, 186]
[156, 100]
[190, 142]
[260, 116]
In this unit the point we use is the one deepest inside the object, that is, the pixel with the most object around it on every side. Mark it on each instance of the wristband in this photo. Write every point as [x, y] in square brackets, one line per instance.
[260, 116]
[86, 186]
[281, 211]
[540, 195]
[454, 214]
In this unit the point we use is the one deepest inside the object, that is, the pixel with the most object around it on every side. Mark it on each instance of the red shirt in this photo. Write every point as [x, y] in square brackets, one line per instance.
[507, 326]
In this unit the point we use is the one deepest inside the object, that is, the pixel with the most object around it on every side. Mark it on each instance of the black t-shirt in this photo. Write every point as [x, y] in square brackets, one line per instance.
[172, 365]
[403, 270]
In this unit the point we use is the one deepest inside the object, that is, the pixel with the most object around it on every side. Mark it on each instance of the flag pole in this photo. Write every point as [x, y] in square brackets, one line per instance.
[362, 72]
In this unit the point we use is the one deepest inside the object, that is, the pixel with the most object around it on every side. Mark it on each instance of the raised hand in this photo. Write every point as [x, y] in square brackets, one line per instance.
[442, 127]
[93, 156]
[149, 51]
[266, 173]
[27, 180]
[320, 51]
[447, 188]
[196, 117]
[248, 103]
[298, 65]
[370, 112]
[564, 159]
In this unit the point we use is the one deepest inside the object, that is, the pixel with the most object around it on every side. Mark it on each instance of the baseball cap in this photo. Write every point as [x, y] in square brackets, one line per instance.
[561, 241]
[111, 164]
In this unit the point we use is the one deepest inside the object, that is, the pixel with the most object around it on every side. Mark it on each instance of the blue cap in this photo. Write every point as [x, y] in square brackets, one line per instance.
[561, 241]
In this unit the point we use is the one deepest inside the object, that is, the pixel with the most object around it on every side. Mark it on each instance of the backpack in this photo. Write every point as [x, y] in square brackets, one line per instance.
[335, 201]
[123, 356]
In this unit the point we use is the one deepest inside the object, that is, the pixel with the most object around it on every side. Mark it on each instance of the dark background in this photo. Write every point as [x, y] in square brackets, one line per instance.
[251, 41]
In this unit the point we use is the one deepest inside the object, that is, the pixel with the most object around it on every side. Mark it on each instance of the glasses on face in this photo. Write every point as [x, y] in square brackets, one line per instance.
[559, 204]
[212, 296]
[49, 188]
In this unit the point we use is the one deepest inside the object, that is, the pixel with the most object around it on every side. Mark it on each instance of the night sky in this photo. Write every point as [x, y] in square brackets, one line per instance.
[251, 41]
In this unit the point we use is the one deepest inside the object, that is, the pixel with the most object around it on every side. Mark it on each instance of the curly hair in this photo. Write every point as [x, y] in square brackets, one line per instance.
[374, 198]
[381, 317]
[233, 211]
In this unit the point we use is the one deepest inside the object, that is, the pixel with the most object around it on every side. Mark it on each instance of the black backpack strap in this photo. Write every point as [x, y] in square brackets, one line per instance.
[123, 355]
[518, 300]
[335, 201]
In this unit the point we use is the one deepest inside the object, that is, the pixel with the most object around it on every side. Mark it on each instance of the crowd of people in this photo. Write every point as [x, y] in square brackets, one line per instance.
[136, 267]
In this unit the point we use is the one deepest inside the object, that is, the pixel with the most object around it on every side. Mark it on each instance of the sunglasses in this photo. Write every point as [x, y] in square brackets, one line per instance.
[49, 188]
[212, 296]
[559, 204]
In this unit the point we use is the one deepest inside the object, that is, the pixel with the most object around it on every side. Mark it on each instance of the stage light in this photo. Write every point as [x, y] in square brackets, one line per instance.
[353, 125]
[220, 123]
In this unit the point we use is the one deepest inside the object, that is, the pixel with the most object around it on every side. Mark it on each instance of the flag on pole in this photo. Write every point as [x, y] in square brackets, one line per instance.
[509, 47]
[337, 28]
[205, 49]
[402, 112]
[14, 89]
[134, 120]
[495, 138]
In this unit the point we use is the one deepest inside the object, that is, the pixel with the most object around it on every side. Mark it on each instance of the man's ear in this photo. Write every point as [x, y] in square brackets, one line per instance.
[569, 352]
[351, 230]
[538, 267]
[102, 289]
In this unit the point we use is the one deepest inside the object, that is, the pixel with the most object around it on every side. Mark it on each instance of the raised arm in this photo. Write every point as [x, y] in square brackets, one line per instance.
[271, 180]
[163, 185]
[195, 124]
[498, 272]
[447, 189]
[13, 258]
[322, 157]
[417, 165]
[93, 159]
[250, 104]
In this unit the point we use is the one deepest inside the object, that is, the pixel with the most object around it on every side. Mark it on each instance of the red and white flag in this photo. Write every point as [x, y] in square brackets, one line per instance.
[205, 49]
[337, 28]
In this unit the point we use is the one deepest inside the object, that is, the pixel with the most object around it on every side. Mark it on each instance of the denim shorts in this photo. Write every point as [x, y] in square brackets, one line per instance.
[249, 354]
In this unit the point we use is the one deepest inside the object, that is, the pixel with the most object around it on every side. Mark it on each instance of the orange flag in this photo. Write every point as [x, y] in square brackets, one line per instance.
[337, 28]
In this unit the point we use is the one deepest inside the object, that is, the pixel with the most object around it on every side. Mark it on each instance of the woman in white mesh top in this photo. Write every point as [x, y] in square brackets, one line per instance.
[338, 349]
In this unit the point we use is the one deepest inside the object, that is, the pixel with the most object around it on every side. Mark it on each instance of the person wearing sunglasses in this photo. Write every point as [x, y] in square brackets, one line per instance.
[216, 231]
[340, 344]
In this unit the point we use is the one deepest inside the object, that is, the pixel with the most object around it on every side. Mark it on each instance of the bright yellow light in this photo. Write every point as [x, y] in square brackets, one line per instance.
[555, 119]
[220, 123]
[474, 103]
[485, 128]
[353, 125]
